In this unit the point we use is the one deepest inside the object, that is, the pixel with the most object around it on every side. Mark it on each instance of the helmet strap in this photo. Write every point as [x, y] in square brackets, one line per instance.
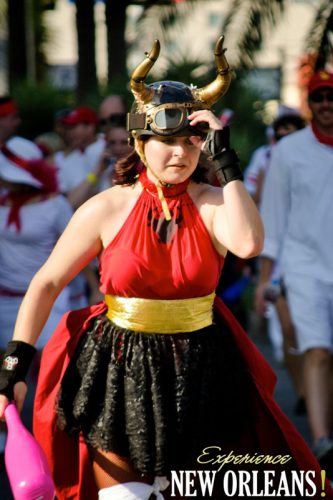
[138, 145]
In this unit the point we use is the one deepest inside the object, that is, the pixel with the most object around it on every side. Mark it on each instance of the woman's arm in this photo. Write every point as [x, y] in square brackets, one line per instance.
[236, 223]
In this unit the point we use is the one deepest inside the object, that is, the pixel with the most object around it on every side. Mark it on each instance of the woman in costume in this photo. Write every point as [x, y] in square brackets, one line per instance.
[142, 383]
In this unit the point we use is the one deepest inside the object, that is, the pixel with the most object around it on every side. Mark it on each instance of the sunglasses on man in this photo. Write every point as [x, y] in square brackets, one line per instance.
[318, 97]
[120, 142]
[114, 120]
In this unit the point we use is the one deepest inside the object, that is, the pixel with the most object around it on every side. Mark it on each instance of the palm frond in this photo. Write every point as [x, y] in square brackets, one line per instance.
[316, 30]
[246, 25]
[319, 40]
[158, 19]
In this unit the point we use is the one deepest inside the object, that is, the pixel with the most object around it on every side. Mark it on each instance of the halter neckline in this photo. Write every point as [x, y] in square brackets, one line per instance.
[169, 191]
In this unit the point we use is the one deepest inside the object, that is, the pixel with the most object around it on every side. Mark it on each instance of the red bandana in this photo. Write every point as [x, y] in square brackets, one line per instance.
[324, 139]
[40, 170]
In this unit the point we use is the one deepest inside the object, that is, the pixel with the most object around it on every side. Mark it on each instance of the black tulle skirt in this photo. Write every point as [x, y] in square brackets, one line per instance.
[157, 399]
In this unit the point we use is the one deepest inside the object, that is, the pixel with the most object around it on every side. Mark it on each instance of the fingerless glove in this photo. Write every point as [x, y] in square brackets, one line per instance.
[224, 159]
[15, 365]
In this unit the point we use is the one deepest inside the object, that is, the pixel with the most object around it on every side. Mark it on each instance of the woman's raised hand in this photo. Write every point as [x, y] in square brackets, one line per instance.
[207, 116]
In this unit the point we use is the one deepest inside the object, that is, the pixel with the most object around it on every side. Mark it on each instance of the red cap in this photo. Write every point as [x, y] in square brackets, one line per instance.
[8, 108]
[320, 80]
[81, 114]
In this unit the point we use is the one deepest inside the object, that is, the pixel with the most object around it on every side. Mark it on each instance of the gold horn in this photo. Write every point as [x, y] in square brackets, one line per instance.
[142, 93]
[216, 89]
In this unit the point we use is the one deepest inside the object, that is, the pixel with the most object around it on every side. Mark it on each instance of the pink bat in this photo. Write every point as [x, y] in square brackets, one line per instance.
[27, 468]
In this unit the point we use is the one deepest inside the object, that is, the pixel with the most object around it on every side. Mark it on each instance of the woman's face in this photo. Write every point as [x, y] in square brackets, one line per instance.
[172, 159]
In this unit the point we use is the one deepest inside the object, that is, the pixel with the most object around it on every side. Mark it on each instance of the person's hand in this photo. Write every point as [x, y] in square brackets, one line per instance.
[95, 296]
[206, 116]
[104, 160]
[20, 391]
[225, 160]
[15, 365]
[260, 303]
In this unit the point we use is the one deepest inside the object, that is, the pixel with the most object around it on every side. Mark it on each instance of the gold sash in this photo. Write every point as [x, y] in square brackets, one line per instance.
[160, 316]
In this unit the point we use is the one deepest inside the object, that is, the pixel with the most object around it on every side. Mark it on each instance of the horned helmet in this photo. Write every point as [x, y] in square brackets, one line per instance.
[162, 108]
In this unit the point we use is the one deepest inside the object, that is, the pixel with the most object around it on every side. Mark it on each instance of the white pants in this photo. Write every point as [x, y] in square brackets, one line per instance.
[311, 306]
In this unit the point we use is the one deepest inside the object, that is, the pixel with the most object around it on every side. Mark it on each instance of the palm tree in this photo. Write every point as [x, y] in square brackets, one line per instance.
[320, 39]
[115, 19]
[85, 25]
[248, 35]
[162, 15]
[250, 20]
[17, 55]
[263, 13]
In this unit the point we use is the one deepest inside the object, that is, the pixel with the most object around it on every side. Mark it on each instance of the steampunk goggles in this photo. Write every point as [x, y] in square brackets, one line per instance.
[168, 119]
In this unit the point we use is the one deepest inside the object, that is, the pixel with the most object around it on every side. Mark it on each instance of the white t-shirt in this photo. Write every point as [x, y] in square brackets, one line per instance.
[23, 253]
[258, 163]
[93, 152]
[297, 206]
[72, 169]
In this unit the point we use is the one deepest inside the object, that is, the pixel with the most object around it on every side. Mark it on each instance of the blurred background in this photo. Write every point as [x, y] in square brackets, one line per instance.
[59, 53]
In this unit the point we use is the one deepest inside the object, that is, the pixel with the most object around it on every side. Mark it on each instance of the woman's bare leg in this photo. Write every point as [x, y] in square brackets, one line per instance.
[293, 360]
[116, 478]
[110, 469]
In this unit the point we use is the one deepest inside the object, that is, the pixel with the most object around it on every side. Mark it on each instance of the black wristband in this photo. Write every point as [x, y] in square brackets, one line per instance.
[225, 159]
[227, 167]
[15, 365]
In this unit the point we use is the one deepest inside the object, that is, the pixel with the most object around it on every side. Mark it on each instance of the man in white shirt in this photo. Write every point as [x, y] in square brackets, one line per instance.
[297, 214]
[80, 161]
[76, 166]
[286, 121]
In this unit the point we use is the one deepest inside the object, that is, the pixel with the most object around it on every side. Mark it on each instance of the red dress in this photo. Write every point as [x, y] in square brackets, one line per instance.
[155, 259]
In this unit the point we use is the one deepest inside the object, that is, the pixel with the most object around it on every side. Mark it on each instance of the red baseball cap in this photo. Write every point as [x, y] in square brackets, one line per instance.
[321, 79]
[82, 114]
[8, 107]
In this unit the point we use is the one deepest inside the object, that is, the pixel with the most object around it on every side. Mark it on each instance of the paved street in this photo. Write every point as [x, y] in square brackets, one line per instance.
[284, 396]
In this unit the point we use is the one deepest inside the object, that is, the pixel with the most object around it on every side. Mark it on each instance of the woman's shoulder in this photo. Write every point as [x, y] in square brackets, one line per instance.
[206, 193]
[108, 202]
[104, 213]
